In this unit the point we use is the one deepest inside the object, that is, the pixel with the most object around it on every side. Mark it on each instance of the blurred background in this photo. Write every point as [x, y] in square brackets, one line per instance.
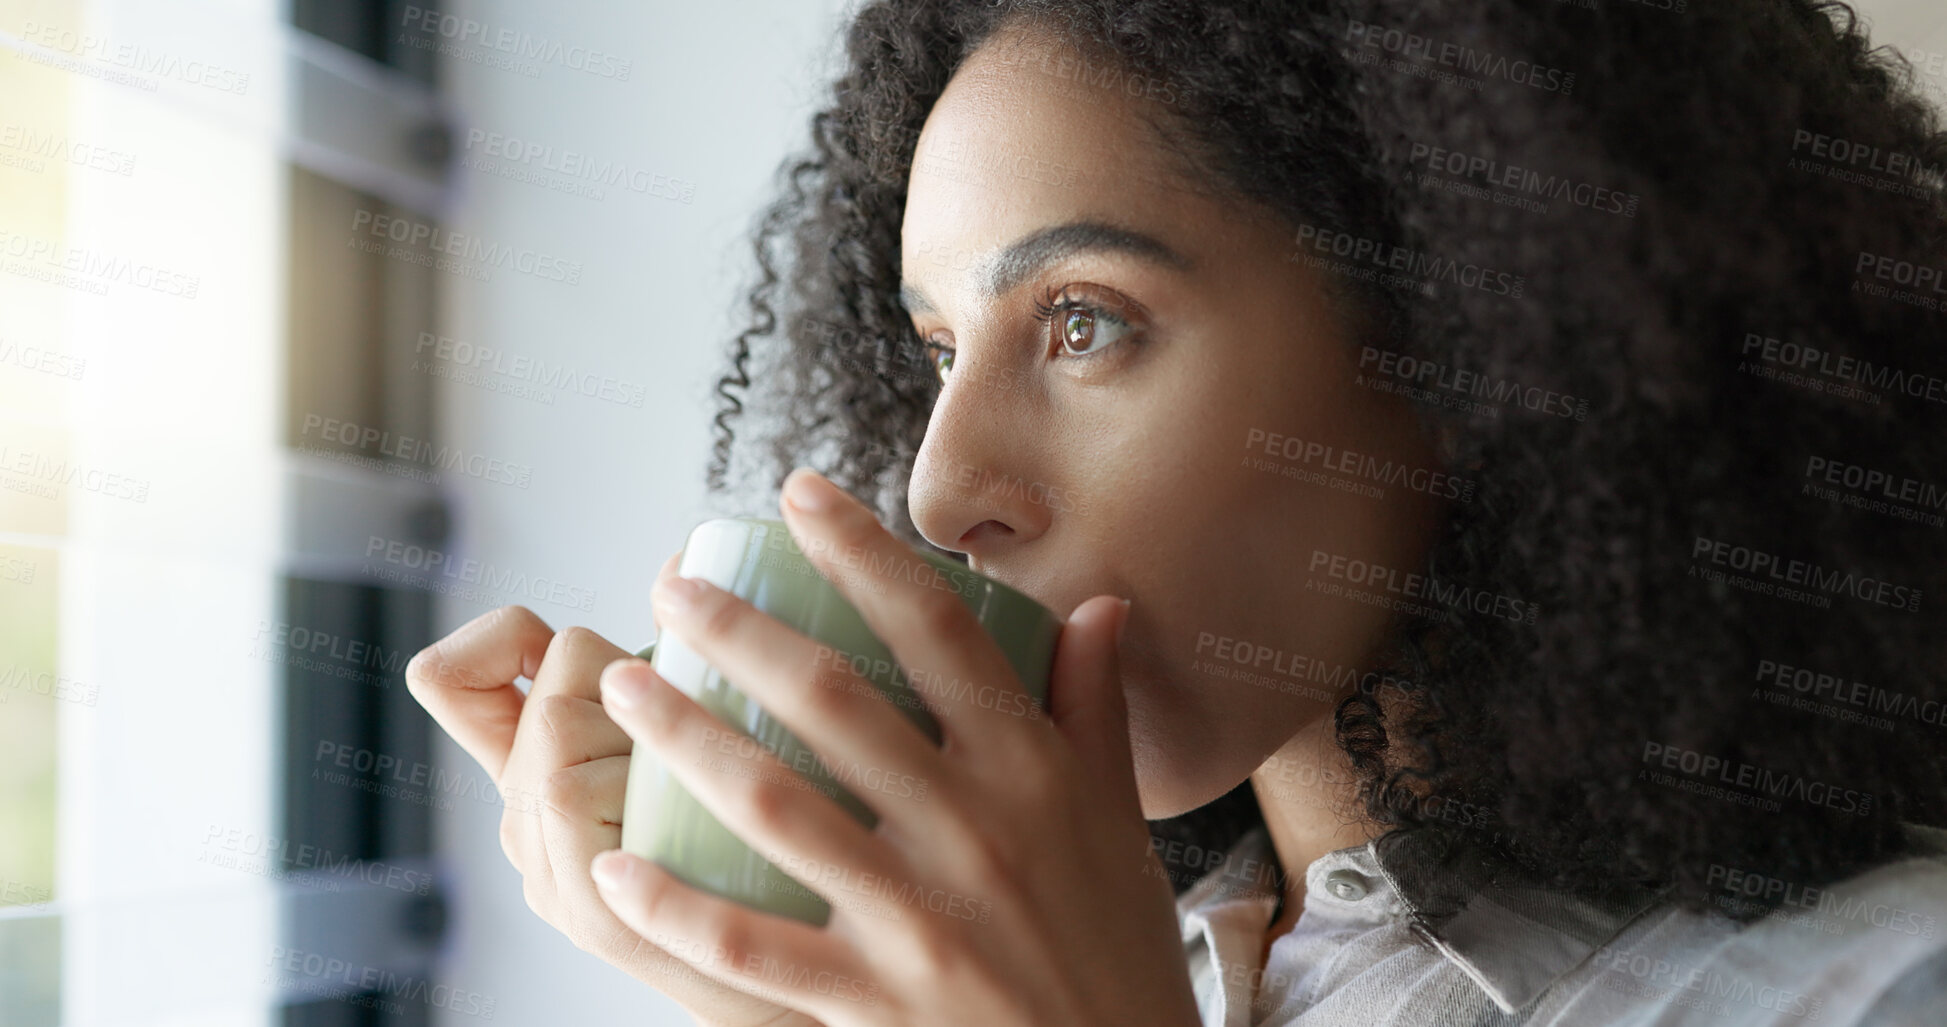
[326, 326]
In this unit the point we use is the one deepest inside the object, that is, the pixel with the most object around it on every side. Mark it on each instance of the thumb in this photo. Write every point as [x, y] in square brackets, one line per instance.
[1085, 697]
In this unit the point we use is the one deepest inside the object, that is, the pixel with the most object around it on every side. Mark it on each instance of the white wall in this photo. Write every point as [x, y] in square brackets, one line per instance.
[1917, 28]
[717, 94]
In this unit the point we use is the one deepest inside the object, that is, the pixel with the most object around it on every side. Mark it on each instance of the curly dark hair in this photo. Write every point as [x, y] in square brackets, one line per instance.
[1681, 314]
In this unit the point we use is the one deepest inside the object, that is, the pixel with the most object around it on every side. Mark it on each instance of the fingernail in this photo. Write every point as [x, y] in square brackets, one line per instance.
[808, 491]
[612, 869]
[678, 593]
[1121, 621]
[626, 686]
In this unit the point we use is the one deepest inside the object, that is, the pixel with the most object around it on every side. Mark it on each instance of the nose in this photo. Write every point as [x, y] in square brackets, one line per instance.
[974, 489]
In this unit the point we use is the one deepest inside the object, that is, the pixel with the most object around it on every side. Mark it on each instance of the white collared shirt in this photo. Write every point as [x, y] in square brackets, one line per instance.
[1871, 950]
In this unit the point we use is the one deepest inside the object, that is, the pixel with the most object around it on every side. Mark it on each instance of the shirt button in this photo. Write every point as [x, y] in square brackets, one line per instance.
[1347, 885]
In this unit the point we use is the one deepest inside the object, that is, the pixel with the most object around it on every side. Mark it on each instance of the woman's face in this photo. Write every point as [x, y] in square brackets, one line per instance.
[1140, 442]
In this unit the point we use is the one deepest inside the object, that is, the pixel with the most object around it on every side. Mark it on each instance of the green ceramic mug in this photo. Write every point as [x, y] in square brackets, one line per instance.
[757, 559]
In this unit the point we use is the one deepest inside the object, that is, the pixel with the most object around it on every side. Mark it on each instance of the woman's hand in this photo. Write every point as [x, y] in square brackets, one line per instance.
[1015, 887]
[561, 766]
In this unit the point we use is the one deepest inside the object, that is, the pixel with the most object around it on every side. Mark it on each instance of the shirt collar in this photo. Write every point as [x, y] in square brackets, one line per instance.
[1510, 937]
[1247, 879]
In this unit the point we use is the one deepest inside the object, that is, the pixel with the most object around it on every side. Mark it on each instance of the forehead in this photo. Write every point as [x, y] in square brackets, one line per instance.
[1028, 133]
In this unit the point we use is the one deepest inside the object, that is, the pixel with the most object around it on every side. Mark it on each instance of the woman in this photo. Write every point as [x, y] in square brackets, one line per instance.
[1513, 430]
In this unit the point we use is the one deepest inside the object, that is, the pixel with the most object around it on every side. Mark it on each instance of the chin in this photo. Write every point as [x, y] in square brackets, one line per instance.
[1177, 802]
[1165, 740]
[1167, 788]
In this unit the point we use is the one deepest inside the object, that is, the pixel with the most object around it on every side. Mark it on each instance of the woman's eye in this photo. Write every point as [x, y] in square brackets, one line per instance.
[938, 353]
[1083, 330]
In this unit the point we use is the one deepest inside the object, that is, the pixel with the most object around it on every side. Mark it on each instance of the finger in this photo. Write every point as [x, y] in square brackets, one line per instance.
[767, 804]
[582, 820]
[589, 793]
[669, 570]
[562, 722]
[570, 730]
[780, 960]
[540, 827]
[1085, 698]
[915, 609]
[466, 681]
[573, 665]
[582, 816]
[810, 688]
[547, 740]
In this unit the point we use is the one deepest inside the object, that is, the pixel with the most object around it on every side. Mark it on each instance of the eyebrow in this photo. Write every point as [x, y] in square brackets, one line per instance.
[1026, 256]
